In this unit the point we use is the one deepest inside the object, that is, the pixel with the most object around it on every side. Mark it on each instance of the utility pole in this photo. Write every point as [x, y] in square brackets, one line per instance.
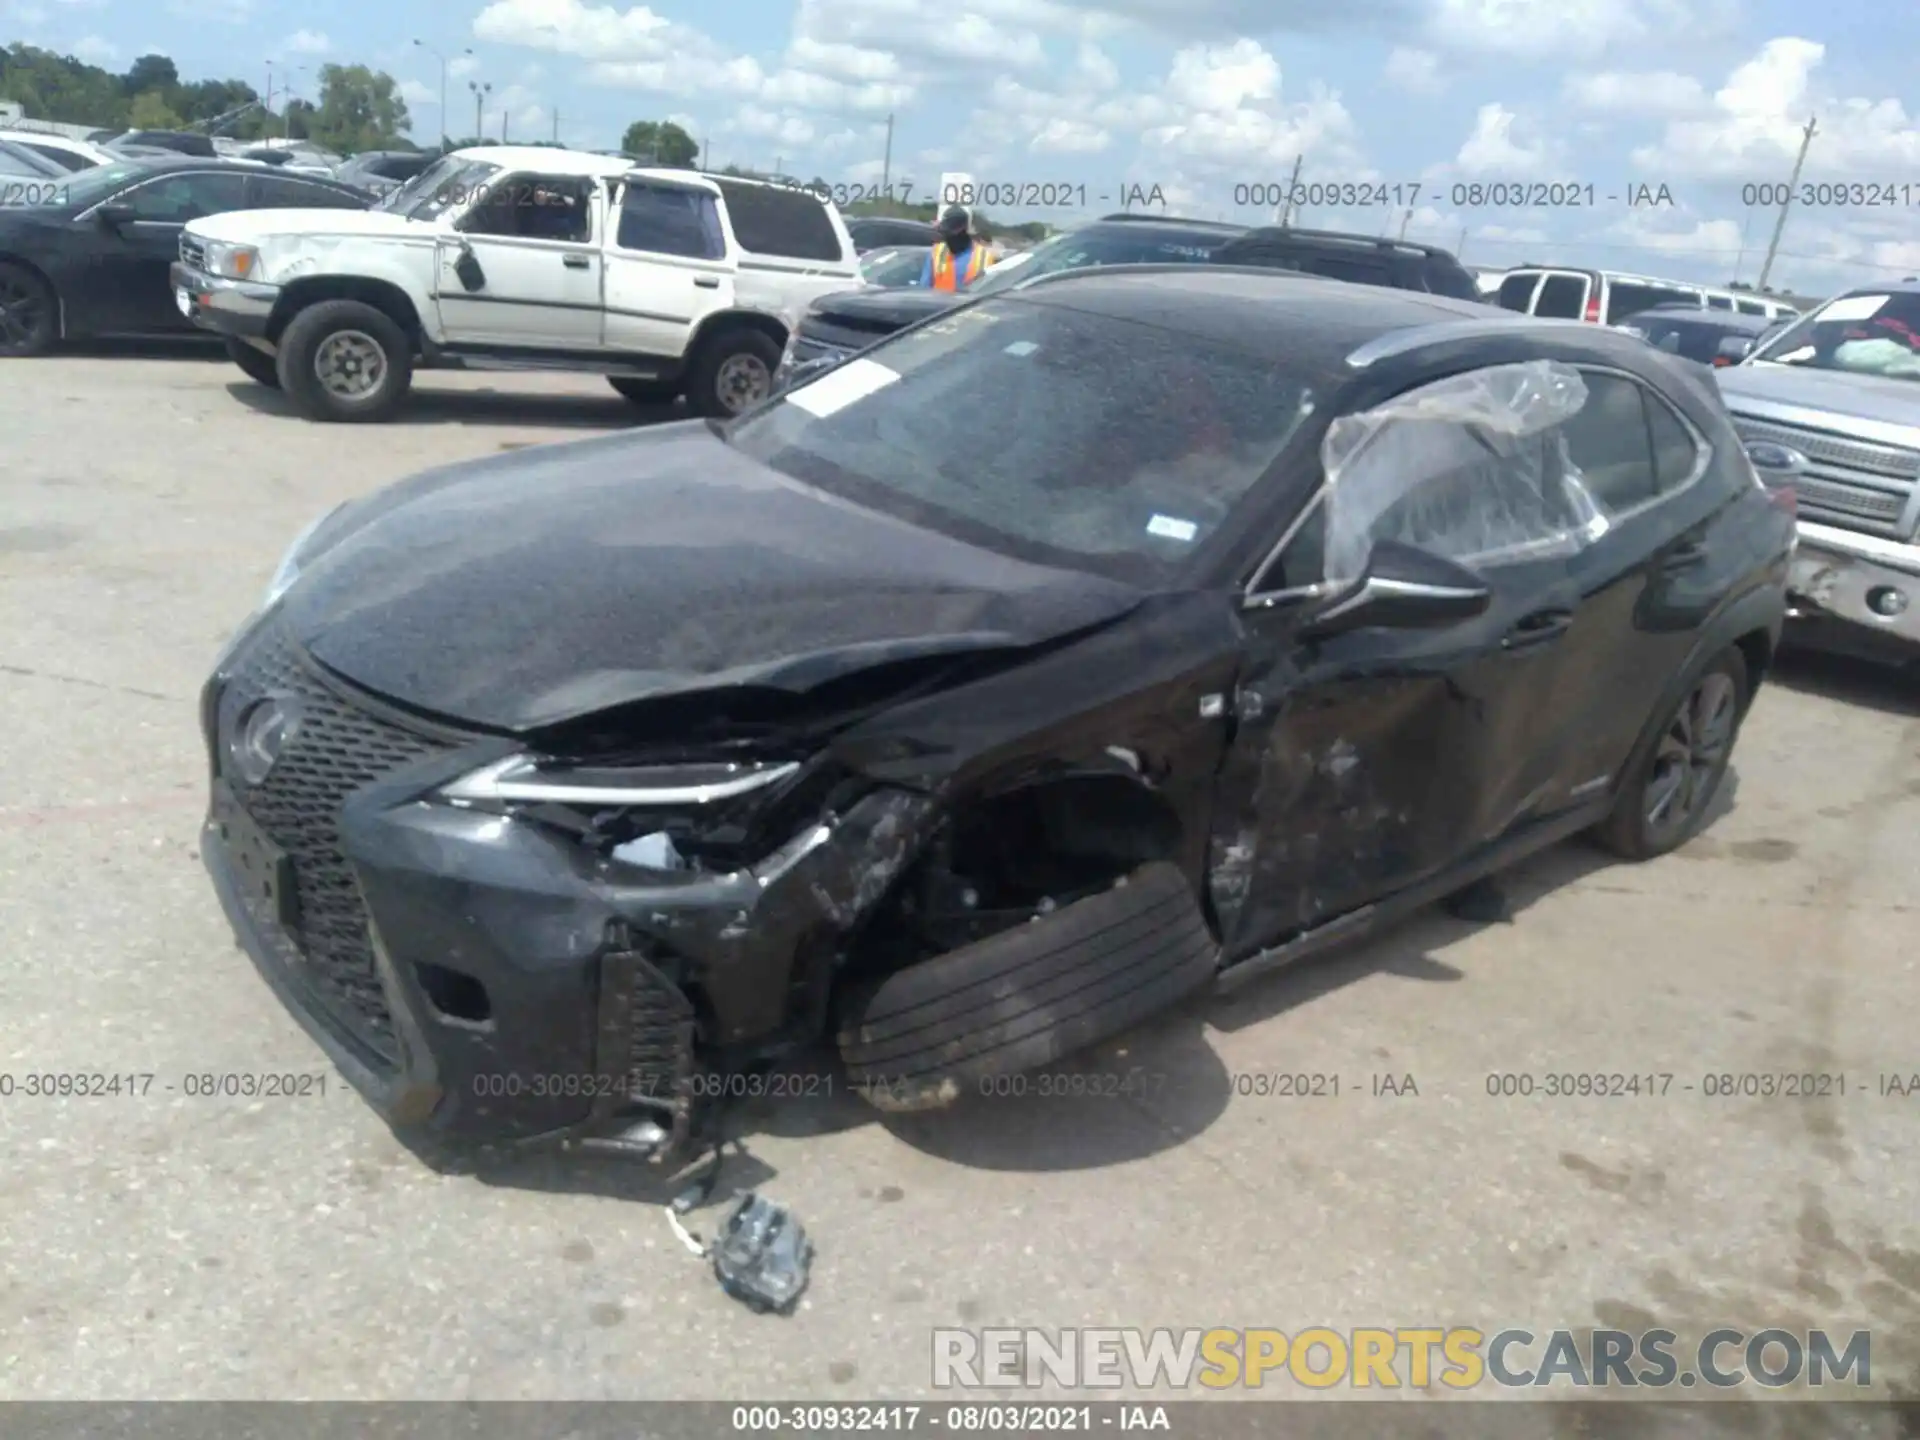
[1780, 225]
[556, 127]
[776, 166]
[1286, 202]
[886, 163]
[1405, 220]
[267, 105]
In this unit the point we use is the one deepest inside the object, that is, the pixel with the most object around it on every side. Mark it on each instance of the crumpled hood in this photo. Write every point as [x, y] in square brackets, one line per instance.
[249, 227]
[542, 586]
[1869, 397]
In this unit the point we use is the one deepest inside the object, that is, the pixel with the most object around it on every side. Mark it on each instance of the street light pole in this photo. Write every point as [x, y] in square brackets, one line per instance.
[480, 93]
[444, 135]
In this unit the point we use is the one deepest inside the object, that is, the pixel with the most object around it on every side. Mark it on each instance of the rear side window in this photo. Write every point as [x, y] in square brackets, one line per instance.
[1608, 440]
[1629, 297]
[283, 192]
[1339, 267]
[1516, 291]
[1719, 302]
[773, 220]
[1750, 307]
[1448, 277]
[65, 159]
[1563, 297]
[1675, 452]
[669, 220]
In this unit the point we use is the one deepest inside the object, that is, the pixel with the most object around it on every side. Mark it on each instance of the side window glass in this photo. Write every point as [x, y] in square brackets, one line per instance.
[1516, 291]
[1607, 441]
[282, 193]
[1472, 468]
[177, 199]
[535, 207]
[774, 220]
[1562, 297]
[670, 220]
[1676, 454]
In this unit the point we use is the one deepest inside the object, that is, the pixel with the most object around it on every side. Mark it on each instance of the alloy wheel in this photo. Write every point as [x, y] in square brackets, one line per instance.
[1692, 752]
[23, 314]
[350, 364]
[743, 380]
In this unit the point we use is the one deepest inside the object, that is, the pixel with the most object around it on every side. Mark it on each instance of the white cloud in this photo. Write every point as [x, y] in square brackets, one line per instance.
[306, 42]
[1061, 136]
[1493, 149]
[1222, 79]
[1652, 92]
[459, 67]
[223, 12]
[96, 50]
[1535, 29]
[791, 132]
[84, 4]
[417, 93]
[1755, 123]
[1415, 71]
[639, 49]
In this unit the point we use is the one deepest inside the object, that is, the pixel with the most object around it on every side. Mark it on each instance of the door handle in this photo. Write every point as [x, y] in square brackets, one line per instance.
[575, 262]
[1542, 627]
[1684, 556]
[707, 282]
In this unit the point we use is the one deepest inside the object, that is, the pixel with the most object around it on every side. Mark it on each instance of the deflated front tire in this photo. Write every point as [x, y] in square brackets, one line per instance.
[926, 1035]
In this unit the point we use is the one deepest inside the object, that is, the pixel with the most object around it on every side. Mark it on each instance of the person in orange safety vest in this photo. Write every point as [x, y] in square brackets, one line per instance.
[957, 258]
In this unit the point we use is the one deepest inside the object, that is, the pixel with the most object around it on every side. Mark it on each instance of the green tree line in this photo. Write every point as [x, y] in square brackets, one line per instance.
[358, 108]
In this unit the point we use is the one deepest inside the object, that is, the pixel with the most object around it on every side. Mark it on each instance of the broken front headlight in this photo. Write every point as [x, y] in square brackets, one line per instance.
[524, 778]
[711, 816]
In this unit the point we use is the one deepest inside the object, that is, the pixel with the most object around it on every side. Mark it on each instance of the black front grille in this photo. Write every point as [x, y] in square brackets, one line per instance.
[337, 748]
[192, 252]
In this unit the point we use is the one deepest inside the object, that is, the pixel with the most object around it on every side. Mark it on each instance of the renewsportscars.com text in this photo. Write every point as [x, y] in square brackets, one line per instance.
[1455, 1358]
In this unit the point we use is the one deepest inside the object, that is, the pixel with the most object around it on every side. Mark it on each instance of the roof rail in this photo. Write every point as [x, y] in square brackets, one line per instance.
[1142, 215]
[1418, 337]
[1171, 267]
[1376, 242]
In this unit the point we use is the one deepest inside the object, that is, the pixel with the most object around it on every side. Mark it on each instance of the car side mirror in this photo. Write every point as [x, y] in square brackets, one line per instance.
[1404, 588]
[1733, 349]
[115, 215]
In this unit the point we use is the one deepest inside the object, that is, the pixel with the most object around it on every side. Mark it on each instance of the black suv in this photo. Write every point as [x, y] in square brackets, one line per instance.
[837, 325]
[1363, 259]
[983, 708]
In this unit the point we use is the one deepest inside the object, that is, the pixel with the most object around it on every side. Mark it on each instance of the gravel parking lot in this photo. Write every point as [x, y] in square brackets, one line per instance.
[173, 1247]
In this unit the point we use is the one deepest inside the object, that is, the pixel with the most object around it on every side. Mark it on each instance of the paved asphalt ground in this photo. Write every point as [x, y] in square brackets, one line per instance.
[174, 1247]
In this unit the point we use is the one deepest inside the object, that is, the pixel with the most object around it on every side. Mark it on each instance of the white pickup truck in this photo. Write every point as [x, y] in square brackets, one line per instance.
[668, 282]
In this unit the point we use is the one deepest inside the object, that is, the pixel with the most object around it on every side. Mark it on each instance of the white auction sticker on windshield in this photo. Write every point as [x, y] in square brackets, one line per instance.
[1855, 307]
[840, 387]
[1171, 528]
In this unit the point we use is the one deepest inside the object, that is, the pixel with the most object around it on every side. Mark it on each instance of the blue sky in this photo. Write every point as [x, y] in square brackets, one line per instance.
[1205, 99]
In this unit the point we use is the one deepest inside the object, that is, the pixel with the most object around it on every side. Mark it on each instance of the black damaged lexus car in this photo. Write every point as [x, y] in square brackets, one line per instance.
[979, 699]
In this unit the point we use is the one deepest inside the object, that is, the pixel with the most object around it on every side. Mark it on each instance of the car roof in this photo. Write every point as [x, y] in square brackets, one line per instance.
[1142, 220]
[1325, 320]
[549, 160]
[1278, 236]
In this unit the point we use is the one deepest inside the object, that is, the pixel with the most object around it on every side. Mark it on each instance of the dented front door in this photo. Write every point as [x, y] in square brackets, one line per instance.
[1367, 762]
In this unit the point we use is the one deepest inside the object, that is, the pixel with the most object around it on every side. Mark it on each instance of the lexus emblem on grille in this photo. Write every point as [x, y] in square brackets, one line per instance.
[259, 735]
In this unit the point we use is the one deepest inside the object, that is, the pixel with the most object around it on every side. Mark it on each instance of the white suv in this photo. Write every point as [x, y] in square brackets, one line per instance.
[1608, 297]
[668, 282]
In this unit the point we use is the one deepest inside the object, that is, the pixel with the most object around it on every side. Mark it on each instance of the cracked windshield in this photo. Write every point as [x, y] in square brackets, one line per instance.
[999, 718]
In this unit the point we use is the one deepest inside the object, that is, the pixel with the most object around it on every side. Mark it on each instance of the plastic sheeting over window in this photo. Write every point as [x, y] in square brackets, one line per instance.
[1472, 467]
